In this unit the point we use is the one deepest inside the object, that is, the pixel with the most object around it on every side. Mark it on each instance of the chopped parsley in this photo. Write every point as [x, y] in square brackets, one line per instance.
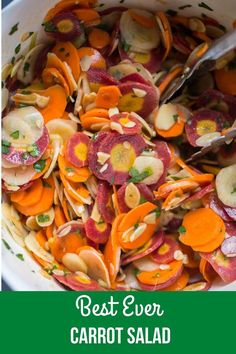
[15, 134]
[112, 180]
[20, 256]
[142, 200]
[25, 156]
[182, 229]
[43, 218]
[136, 271]
[184, 7]
[61, 49]
[26, 68]
[6, 244]
[205, 6]
[175, 117]
[136, 176]
[50, 27]
[17, 49]
[46, 184]
[126, 47]
[13, 60]
[234, 190]
[226, 125]
[136, 225]
[39, 165]
[157, 211]
[34, 151]
[5, 147]
[6, 143]
[69, 169]
[14, 29]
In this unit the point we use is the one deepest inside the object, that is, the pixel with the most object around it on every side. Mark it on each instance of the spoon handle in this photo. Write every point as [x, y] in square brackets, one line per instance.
[220, 47]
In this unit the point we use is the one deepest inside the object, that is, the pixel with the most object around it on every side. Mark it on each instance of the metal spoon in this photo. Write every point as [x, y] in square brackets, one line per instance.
[219, 47]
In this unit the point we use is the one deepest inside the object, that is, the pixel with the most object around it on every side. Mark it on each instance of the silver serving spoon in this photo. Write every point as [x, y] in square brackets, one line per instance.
[219, 48]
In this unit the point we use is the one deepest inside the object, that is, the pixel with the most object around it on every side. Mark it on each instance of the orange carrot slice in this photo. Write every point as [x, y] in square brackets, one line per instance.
[88, 16]
[43, 204]
[66, 210]
[185, 167]
[67, 4]
[132, 221]
[204, 230]
[167, 35]
[98, 62]
[49, 231]
[57, 103]
[108, 97]
[74, 191]
[41, 238]
[70, 243]
[226, 80]
[71, 172]
[112, 250]
[169, 77]
[147, 22]
[59, 216]
[31, 196]
[159, 276]
[67, 52]
[97, 112]
[93, 123]
[202, 36]
[52, 76]
[179, 284]
[98, 38]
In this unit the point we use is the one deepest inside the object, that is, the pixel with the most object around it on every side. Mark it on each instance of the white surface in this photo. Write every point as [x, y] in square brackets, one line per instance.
[25, 275]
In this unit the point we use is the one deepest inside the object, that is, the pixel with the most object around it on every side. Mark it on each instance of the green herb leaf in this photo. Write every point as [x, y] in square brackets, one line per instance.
[205, 6]
[17, 49]
[26, 68]
[234, 190]
[6, 244]
[14, 29]
[184, 7]
[61, 49]
[13, 60]
[158, 212]
[20, 256]
[126, 47]
[175, 178]
[137, 176]
[182, 229]
[175, 117]
[25, 156]
[6, 143]
[50, 27]
[15, 134]
[33, 150]
[142, 200]
[39, 165]
[226, 125]
[69, 169]
[112, 180]
[43, 218]
[5, 147]
[136, 272]
[46, 184]
[136, 225]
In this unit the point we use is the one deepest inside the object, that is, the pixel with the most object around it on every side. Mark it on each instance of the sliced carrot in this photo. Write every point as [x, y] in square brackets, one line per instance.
[169, 77]
[59, 216]
[204, 230]
[41, 238]
[57, 103]
[132, 219]
[172, 197]
[88, 16]
[70, 243]
[202, 36]
[176, 130]
[185, 167]
[93, 123]
[65, 116]
[52, 76]
[179, 284]
[207, 271]
[226, 80]
[39, 174]
[112, 249]
[49, 231]
[115, 201]
[43, 204]
[98, 62]
[98, 38]
[71, 172]
[167, 35]
[147, 22]
[31, 196]
[67, 52]
[74, 191]
[54, 62]
[97, 112]
[108, 97]
[159, 276]
[66, 210]
[67, 4]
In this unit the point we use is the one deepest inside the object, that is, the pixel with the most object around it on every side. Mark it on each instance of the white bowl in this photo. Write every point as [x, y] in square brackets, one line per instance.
[25, 275]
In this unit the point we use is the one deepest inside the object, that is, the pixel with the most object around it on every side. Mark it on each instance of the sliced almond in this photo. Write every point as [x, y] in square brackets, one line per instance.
[117, 127]
[95, 215]
[178, 255]
[206, 139]
[152, 165]
[132, 196]
[145, 264]
[150, 219]
[32, 224]
[86, 62]
[130, 124]
[196, 25]
[102, 157]
[74, 263]
[56, 146]
[104, 168]
[166, 117]
[113, 111]
[139, 93]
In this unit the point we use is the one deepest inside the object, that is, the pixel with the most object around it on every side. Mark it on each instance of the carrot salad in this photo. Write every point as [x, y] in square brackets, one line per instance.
[94, 176]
